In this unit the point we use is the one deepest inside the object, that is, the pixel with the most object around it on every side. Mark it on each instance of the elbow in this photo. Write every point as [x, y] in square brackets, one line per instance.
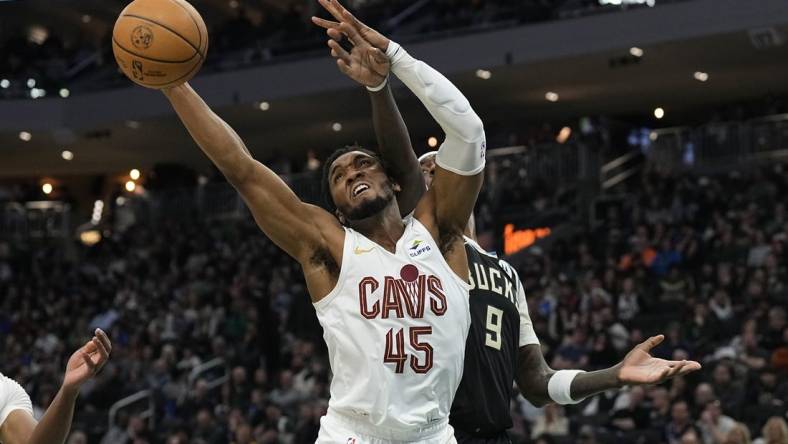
[473, 129]
[237, 168]
[539, 403]
[477, 125]
[536, 400]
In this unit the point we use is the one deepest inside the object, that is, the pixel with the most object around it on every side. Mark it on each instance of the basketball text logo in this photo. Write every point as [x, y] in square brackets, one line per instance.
[136, 70]
[142, 37]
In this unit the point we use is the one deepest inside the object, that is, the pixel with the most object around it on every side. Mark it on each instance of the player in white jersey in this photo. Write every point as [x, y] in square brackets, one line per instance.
[502, 343]
[391, 296]
[17, 425]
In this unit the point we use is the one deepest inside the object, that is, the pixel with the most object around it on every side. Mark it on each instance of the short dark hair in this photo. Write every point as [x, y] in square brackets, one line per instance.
[326, 185]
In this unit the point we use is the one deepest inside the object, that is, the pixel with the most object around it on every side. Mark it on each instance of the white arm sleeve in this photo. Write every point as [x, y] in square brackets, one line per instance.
[463, 151]
[12, 397]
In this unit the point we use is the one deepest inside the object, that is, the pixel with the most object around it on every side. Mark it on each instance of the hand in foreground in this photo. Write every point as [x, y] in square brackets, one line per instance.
[365, 63]
[342, 15]
[640, 368]
[87, 361]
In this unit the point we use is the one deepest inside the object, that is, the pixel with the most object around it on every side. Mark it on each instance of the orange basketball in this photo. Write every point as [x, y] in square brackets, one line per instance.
[160, 43]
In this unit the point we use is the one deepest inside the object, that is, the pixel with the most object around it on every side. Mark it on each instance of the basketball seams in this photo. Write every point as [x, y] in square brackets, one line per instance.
[196, 25]
[179, 79]
[168, 19]
[139, 17]
[172, 82]
[135, 54]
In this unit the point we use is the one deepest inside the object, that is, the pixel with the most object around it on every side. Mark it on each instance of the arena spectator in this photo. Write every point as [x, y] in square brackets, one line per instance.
[775, 431]
[179, 292]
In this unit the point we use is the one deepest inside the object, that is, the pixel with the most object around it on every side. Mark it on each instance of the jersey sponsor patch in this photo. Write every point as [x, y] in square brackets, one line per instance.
[419, 249]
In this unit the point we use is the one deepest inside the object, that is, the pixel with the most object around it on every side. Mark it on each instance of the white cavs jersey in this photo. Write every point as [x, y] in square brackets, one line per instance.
[395, 326]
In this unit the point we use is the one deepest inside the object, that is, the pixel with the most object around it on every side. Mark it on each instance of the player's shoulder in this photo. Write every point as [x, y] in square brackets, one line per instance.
[475, 246]
[509, 269]
[12, 397]
[505, 266]
[8, 387]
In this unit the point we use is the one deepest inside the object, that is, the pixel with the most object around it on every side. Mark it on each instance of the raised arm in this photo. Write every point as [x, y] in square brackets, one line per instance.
[542, 385]
[298, 228]
[370, 67]
[461, 158]
[396, 150]
[19, 426]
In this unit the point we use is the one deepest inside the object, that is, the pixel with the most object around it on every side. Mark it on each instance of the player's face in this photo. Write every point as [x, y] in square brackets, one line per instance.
[428, 170]
[360, 187]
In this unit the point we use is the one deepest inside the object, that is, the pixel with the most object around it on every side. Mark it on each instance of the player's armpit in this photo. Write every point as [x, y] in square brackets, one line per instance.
[17, 428]
[533, 375]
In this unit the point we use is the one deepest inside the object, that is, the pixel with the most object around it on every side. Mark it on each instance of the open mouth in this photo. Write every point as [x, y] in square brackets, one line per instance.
[360, 188]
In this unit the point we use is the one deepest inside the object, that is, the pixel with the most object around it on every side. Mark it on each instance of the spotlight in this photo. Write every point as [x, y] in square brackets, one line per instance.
[483, 74]
[564, 135]
[337, 127]
[432, 142]
[47, 188]
[551, 96]
[636, 52]
[31, 83]
[134, 174]
[264, 106]
[5, 83]
[64, 93]
[90, 237]
[67, 155]
[701, 76]
[98, 208]
[659, 113]
[25, 136]
[131, 186]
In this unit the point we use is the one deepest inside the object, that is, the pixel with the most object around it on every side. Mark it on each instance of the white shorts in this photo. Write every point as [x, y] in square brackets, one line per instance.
[338, 429]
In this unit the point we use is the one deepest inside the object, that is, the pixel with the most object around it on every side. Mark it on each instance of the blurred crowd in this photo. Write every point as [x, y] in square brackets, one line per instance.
[215, 321]
[254, 35]
[700, 259]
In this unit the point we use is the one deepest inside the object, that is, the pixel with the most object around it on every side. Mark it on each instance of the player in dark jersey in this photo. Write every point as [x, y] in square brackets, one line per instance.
[500, 327]
[501, 345]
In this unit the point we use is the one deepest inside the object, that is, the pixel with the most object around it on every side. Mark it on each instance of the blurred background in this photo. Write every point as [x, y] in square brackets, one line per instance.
[637, 178]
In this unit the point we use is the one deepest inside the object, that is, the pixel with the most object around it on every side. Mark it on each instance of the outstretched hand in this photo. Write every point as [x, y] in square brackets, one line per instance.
[367, 62]
[87, 361]
[640, 368]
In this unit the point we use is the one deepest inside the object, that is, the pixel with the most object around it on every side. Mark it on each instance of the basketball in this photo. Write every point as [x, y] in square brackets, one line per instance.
[160, 43]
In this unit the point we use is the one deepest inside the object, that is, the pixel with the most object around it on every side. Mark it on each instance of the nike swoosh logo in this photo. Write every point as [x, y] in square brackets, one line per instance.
[359, 250]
